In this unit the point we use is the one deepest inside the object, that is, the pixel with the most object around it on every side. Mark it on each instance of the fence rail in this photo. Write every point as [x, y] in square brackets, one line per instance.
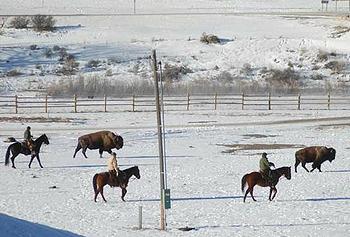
[47, 104]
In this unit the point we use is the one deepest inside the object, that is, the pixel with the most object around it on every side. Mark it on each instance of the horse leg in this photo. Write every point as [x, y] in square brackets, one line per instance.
[38, 158]
[297, 162]
[270, 194]
[31, 160]
[303, 165]
[13, 161]
[100, 151]
[124, 191]
[245, 195]
[77, 149]
[103, 197]
[96, 193]
[275, 192]
[251, 194]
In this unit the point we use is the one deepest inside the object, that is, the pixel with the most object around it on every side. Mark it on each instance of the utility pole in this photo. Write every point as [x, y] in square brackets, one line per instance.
[134, 6]
[160, 141]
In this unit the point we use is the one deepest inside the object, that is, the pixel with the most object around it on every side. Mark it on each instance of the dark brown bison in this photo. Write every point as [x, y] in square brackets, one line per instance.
[102, 140]
[315, 154]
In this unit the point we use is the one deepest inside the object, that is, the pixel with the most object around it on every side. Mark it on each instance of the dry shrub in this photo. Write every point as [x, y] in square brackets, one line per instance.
[283, 80]
[174, 72]
[209, 39]
[335, 66]
[43, 23]
[20, 22]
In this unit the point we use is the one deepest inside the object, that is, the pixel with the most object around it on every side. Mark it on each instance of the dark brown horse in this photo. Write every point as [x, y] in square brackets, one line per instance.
[255, 178]
[101, 179]
[18, 148]
[102, 140]
[315, 154]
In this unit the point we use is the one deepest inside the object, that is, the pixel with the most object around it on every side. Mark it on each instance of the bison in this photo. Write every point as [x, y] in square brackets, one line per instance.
[315, 154]
[102, 140]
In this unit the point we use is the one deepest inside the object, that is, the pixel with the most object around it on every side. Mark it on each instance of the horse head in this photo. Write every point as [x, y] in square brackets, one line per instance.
[119, 142]
[137, 172]
[288, 173]
[46, 139]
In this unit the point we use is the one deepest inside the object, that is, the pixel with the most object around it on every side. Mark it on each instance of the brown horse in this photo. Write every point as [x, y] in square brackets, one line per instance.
[255, 178]
[315, 154]
[102, 140]
[101, 179]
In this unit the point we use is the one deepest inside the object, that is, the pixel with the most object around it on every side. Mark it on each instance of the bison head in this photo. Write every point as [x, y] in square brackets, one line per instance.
[331, 154]
[118, 141]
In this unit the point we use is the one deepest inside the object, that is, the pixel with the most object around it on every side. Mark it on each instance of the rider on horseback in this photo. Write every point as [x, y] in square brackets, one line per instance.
[28, 139]
[265, 169]
[113, 167]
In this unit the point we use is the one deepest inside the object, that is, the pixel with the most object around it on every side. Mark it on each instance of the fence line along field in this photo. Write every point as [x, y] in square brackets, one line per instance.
[45, 104]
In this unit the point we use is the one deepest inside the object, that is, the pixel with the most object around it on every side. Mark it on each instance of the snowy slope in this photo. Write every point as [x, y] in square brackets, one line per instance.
[259, 41]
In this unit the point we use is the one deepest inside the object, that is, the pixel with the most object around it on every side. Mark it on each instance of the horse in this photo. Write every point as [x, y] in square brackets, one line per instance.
[101, 179]
[315, 154]
[18, 148]
[102, 140]
[255, 178]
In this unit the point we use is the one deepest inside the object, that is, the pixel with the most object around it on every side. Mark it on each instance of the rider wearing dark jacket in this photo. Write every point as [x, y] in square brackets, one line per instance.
[265, 169]
[28, 141]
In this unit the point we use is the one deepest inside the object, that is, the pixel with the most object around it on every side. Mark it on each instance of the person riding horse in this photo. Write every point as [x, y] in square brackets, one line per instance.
[113, 168]
[265, 169]
[28, 139]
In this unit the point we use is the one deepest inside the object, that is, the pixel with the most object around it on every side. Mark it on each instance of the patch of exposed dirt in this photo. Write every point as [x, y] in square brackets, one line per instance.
[37, 120]
[333, 126]
[258, 146]
[246, 136]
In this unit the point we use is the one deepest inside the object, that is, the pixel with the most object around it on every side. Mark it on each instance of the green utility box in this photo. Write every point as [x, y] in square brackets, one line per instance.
[166, 198]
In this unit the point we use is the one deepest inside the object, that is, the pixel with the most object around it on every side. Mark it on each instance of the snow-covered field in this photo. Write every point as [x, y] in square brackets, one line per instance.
[204, 177]
[254, 41]
[204, 173]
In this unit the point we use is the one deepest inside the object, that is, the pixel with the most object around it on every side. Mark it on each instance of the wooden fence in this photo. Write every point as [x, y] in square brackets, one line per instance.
[46, 104]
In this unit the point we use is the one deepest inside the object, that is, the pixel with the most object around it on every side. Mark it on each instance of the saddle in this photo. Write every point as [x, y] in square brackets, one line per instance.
[269, 178]
[117, 181]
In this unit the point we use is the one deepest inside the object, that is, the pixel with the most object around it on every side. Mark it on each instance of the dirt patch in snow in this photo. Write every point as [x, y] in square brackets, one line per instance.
[36, 120]
[258, 146]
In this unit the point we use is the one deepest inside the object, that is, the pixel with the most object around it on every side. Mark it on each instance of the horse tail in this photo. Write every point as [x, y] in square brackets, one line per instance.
[7, 156]
[244, 182]
[94, 183]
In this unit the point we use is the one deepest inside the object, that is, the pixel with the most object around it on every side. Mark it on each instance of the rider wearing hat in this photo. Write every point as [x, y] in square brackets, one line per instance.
[28, 139]
[113, 167]
[265, 169]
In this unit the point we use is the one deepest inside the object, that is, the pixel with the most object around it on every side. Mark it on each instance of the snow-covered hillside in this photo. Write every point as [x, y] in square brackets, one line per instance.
[256, 45]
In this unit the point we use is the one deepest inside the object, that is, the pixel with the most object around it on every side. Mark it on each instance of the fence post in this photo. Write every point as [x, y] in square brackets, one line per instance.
[133, 103]
[46, 105]
[215, 100]
[75, 103]
[105, 103]
[269, 100]
[188, 101]
[16, 104]
[242, 101]
[140, 217]
[329, 101]
[299, 101]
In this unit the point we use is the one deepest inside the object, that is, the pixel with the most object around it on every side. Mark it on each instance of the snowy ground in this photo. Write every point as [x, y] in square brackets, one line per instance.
[203, 176]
